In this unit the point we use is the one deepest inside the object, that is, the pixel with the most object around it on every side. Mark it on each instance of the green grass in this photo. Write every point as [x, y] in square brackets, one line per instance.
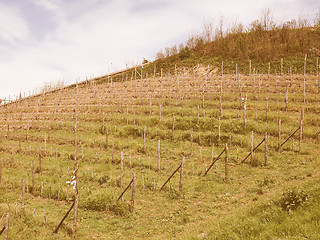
[246, 205]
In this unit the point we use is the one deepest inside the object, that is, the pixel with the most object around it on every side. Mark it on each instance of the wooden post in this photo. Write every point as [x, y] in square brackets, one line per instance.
[251, 148]
[220, 106]
[40, 160]
[279, 136]
[133, 191]
[244, 113]
[266, 149]
[281, 70]
[107, 135]
[65, 216]
[222, 69]
[121, 169]
[191, 140]
[181, 173]
[249, 67]
[150, 105]
[76, 190]
[287, 99]
[159, 154]
[203, 100]
[33, 173]
[219, 130]
[160, 113]
[266, 109]
[170, 177]
[112, 149]
[304, 78]
[300, 135]
[144, 139]
[173, 126]
[226, 162]
[182, 106]
[317, 66]
[1, 167]
[45, 144]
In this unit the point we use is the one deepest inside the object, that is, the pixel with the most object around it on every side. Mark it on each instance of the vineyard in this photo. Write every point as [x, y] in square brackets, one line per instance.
[192, 148]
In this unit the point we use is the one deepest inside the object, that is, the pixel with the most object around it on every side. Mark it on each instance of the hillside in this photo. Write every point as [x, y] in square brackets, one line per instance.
[263, 42]
[133, 123]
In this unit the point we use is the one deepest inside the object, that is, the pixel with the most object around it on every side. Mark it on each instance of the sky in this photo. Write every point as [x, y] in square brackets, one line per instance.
[45, 41]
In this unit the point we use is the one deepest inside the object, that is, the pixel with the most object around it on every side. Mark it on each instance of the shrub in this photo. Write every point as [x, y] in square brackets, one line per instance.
[96, 201]
[292, 198]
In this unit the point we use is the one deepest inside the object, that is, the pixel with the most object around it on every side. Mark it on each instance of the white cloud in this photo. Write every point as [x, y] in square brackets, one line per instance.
[12, 26]
[47, 4]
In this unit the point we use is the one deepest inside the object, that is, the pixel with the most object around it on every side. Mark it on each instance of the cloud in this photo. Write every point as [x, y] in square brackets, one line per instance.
[47, 4]
[12, 26]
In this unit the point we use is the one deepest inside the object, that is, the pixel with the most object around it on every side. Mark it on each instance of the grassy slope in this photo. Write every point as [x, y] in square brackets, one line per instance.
[260, 46]
[251, 204]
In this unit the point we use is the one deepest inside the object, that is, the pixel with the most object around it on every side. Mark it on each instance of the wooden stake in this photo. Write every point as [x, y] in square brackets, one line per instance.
[40, 160]
[133, 191]
[266, 149]
[181, 173]
[214, 162]
[317, 66]
[170, 177]
[150, 105]
[1, 167]
[252, 151]
[222, 68]
[220, 106]
[218, 130]
[112, 149]
[266, 109]
[300, 135]
[121, 169]
[33, 173]
[244, 113]
[76, 191]
[65, 216]
[160, 113]
[226, 162]
[45, 144]
[251, 148]
[304, 78]
[279, 136]
[287, 99]
[144, 139]
[191, 140]
[173, 126]
[159, 154]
